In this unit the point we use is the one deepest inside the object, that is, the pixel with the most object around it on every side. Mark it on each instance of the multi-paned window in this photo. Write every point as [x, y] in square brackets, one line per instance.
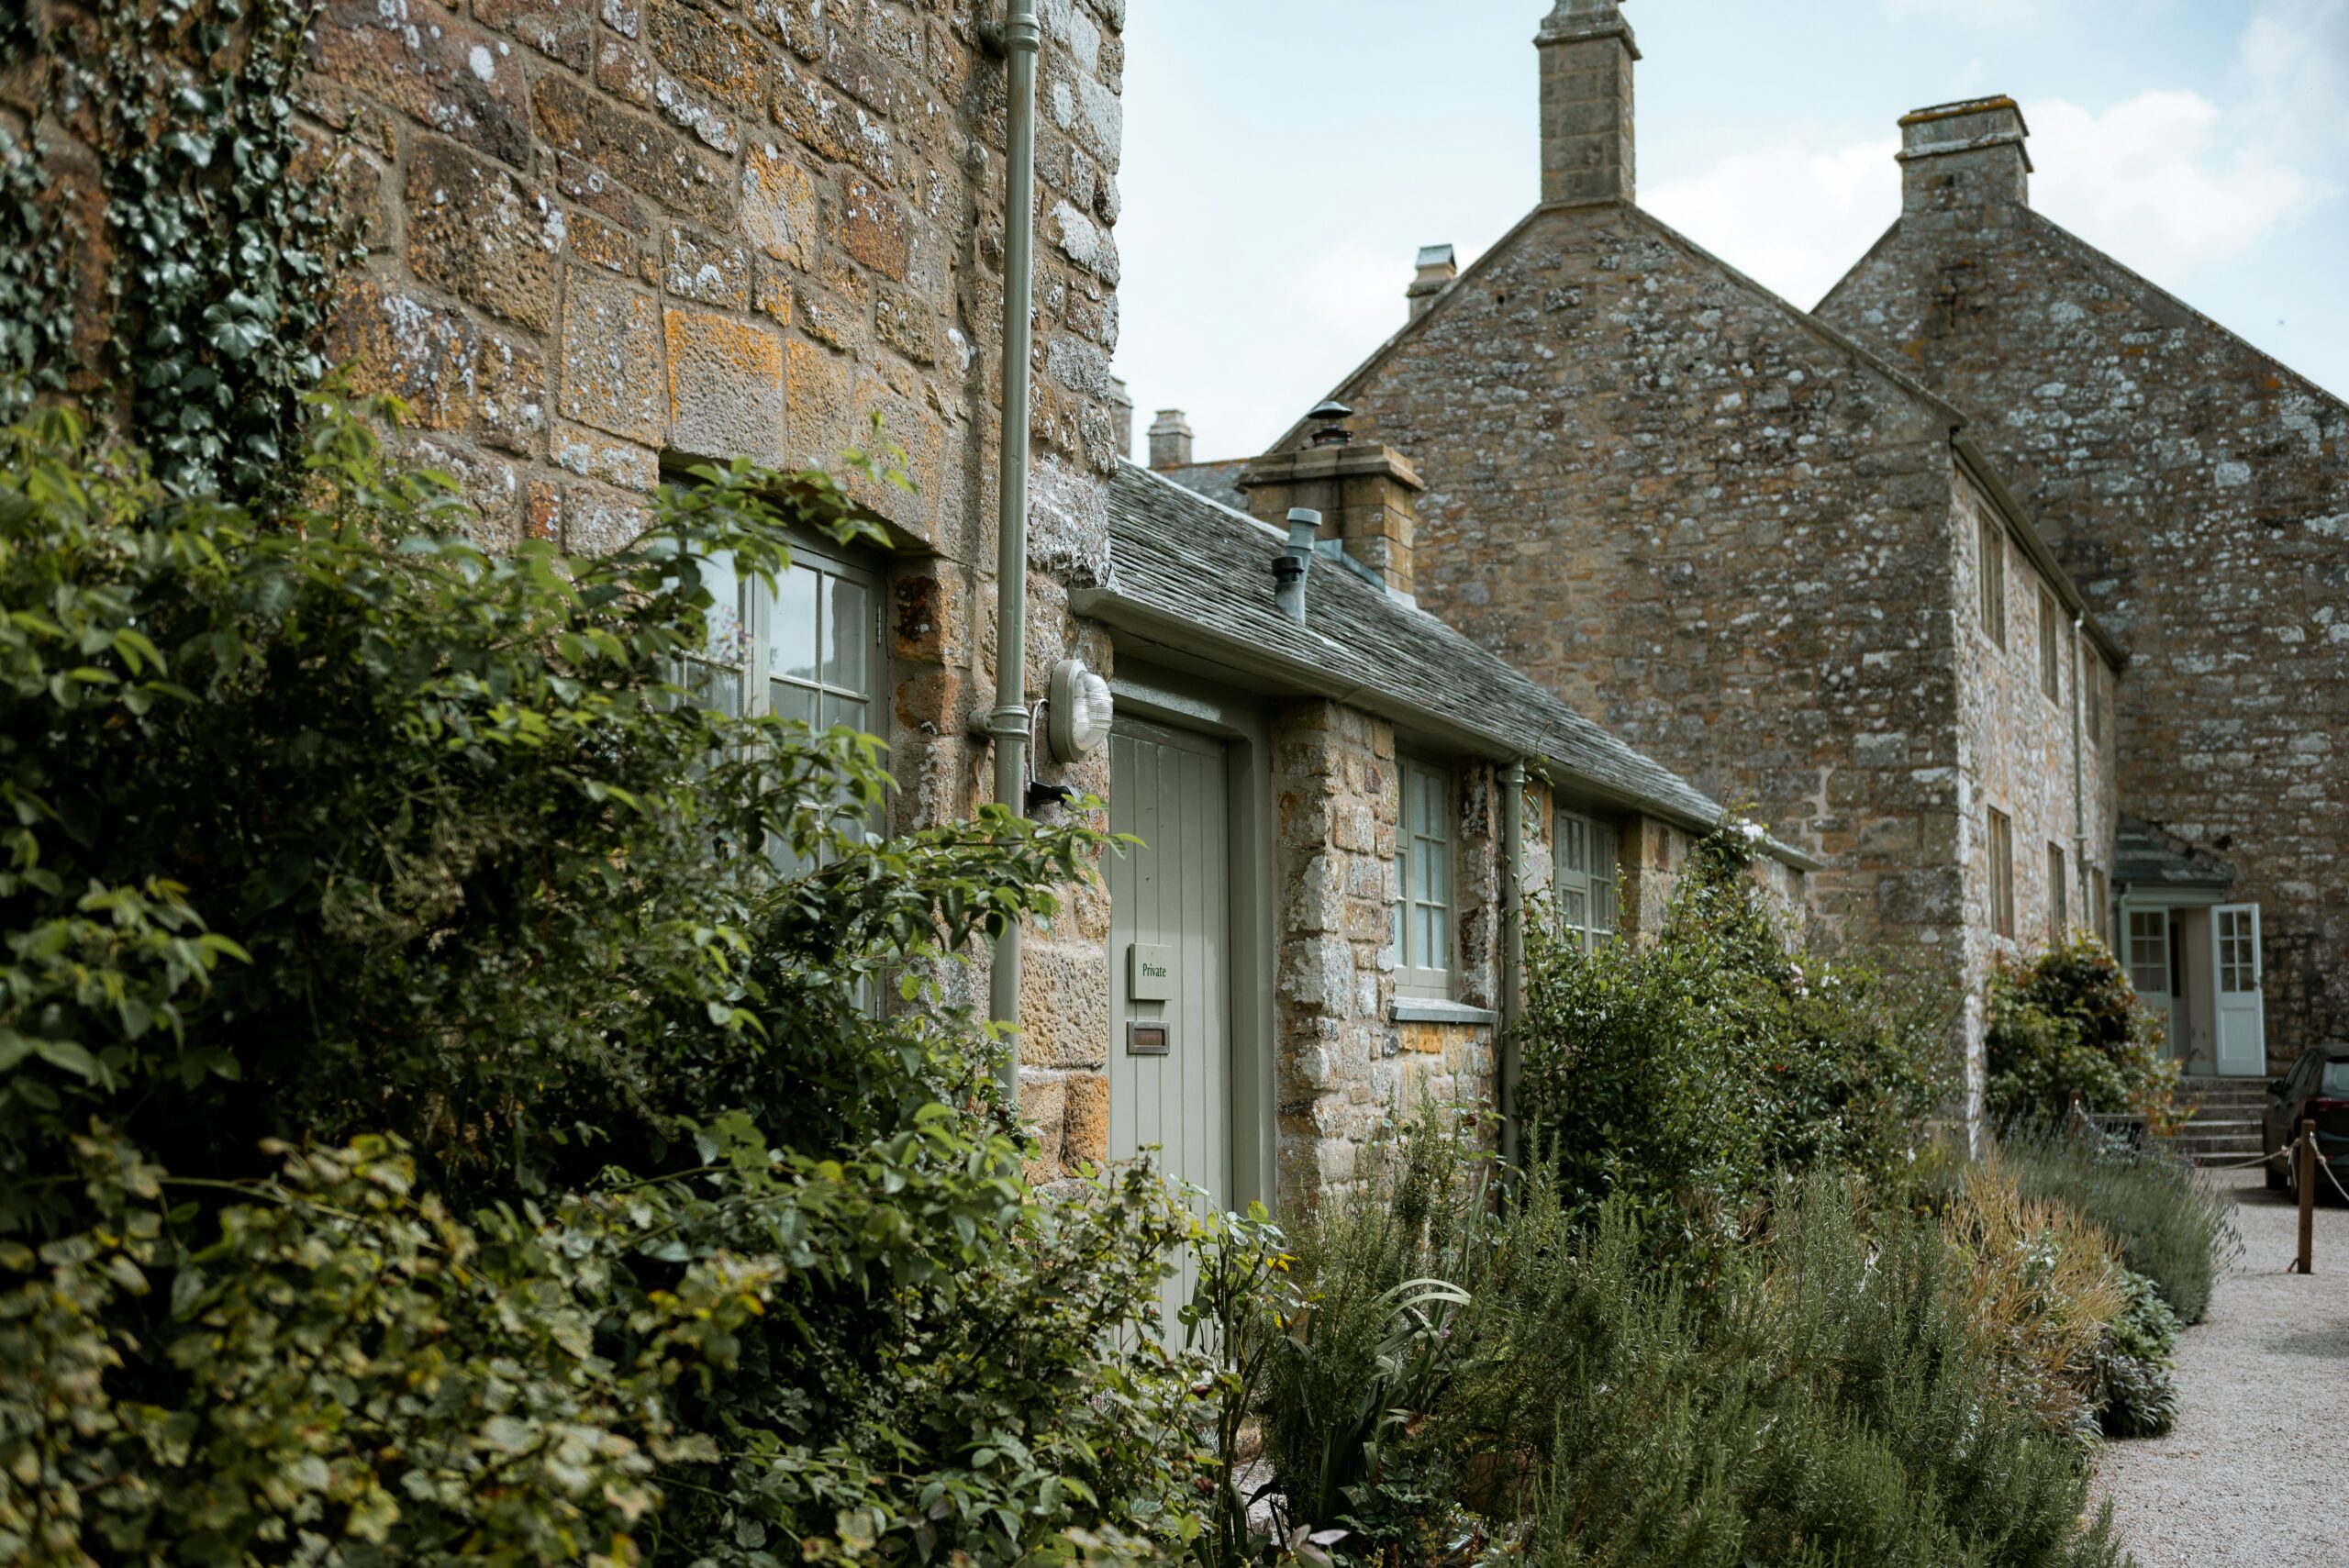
[1587, 879]
[1990, 551]
[2059, 898]
[1423, 854]
[2149, 951]
[2002, 873]
[2051, 647]
[806, 647]
[2238, 951]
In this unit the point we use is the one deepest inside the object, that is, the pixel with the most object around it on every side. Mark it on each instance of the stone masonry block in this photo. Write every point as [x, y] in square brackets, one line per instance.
[779, 206]
[482, 233]
[561, 29]
[715, 271]
[649, 157]
[612, 376]
[710, 52]
[726, 387]
[417, 57]
[809, 109]
[1085, 1127]
[1064, 1006]
[872, 229]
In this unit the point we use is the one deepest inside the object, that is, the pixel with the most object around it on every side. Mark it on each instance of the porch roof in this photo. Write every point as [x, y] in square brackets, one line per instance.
[1196, 576]
[2149, 855]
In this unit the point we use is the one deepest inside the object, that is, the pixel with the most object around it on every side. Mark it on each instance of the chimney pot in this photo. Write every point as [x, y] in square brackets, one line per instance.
[1968, 154]
[1330, 424]
[1437, 268]
[1170, 440]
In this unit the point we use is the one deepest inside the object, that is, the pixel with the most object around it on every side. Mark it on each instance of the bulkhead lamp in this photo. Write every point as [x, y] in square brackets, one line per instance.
[1078, 712]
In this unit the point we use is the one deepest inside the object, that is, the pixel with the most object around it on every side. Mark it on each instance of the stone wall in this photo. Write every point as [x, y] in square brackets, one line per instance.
[2199, 491]
[1706, 522]
[1344, 1067]
[2019, 748]
[610, 237]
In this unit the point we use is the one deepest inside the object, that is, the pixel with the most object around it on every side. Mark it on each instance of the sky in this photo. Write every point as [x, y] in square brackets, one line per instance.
[1284, 159]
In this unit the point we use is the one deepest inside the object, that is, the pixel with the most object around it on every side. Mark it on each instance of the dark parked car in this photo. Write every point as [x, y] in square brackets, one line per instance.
[2316, 1089]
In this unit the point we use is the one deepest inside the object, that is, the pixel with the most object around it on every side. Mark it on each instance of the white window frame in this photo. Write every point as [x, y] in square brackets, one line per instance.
[2059, 892]
[1427, 877]
[2050, 648]
[1586, 879]
[748, 621]
[2147, 952]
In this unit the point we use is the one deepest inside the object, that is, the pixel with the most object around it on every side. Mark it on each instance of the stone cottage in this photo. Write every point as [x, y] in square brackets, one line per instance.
[1751, 546]
[610, 240]
[2199, 492]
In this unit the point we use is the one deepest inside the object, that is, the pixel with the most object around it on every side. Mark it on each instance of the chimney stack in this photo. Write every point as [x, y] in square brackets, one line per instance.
[1964, 155]
[1121, 418]
[1588, 51]
[1437, 268]
[1367, 495]
[1170, 440]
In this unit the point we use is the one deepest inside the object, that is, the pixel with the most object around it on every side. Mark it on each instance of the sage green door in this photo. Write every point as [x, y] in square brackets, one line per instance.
[1170, 1051]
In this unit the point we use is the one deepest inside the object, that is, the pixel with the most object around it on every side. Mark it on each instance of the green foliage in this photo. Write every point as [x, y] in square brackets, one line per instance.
[2136, 1396]
[2067, 1025]
[439, 1121]
[1825, 1398]
[36, 261]
[228, 233]
[2163, 1219]
[1675, 1077]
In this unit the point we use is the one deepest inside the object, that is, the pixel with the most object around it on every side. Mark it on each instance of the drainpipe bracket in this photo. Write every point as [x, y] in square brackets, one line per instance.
[1020, 32]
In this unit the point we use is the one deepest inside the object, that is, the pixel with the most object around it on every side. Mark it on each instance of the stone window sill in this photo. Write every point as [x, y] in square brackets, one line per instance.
[1413, 1010]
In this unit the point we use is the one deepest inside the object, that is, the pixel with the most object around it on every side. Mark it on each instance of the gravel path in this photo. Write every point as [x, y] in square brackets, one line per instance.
[2253, 1476]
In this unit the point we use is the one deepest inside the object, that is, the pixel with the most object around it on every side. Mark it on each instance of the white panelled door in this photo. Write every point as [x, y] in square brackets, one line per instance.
[1170, 963]
[2241, 1021]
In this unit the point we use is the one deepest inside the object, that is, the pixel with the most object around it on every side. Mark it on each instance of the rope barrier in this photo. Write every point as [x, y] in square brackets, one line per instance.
[2326, 1166]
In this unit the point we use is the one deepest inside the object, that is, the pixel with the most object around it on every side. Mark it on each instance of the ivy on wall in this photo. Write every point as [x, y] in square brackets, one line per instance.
[225, 231]
[36, 280]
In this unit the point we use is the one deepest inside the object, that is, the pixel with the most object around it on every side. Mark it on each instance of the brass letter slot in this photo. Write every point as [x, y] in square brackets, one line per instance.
[1149, 1040]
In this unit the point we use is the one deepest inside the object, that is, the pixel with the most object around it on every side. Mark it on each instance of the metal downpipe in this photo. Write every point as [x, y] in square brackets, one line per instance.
[1008, 724]
[1512, 948]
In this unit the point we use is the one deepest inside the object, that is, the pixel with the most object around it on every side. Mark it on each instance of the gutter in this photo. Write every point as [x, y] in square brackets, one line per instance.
[2079, 779]
[1019, 39]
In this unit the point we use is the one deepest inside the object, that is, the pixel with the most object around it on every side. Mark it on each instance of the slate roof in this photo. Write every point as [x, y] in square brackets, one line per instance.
[1217, 481]
[2147, 854]
[1178, 557]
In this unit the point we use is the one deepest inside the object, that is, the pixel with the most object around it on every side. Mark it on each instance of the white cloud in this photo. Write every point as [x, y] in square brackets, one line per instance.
[2292, 74]
[1793, 218]
[1356, 290]
[2166, 179]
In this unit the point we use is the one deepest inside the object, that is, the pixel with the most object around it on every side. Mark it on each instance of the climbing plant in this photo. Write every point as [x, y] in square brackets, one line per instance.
[224, 229]
[227, 238]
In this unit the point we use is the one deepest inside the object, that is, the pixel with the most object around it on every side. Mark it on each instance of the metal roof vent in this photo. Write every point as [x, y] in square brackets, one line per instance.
[1329, 423]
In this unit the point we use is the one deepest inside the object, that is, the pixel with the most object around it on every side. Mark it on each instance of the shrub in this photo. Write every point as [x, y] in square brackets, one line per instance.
[2164, 1221]
[2041, 1293]
[2136, 1396]
[2066, 1027]
[1825, 1398]
[1675, 1077]
[440, 1125]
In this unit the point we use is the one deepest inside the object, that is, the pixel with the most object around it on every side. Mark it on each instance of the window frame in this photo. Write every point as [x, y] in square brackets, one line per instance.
[2059, 892]
[2158, 920]
[1420, 981]
[2100, 915]
[2001, 839]
[1586, 906]
[1991, 570]
[2051, 647]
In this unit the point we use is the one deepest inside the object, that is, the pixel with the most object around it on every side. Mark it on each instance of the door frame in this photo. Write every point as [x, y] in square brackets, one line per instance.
[1179, 701]
[2218, 992]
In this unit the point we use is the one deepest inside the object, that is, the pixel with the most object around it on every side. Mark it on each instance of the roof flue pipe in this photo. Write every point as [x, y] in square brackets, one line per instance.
[1290, 568]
